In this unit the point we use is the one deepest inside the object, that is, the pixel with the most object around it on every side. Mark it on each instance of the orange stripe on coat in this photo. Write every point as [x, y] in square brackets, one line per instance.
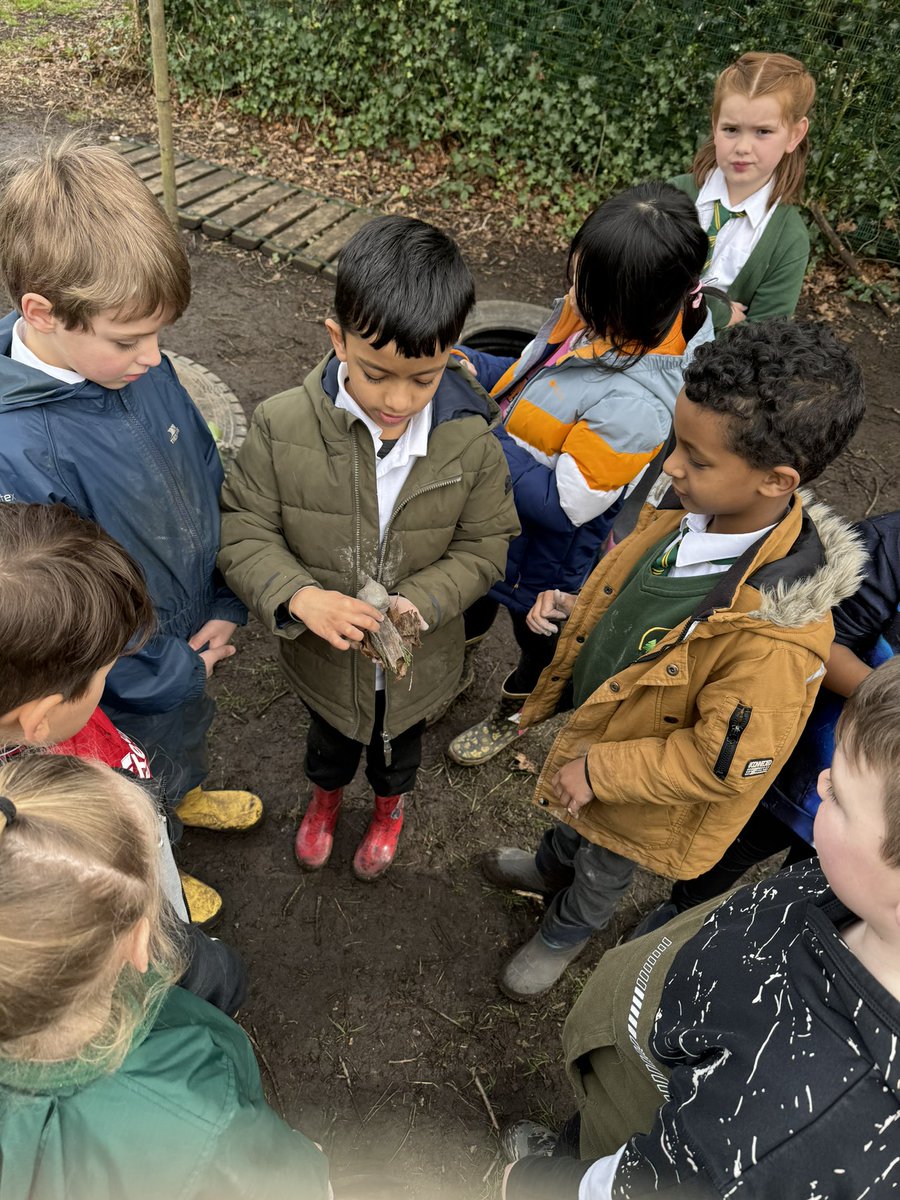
[537, 427]
[602, 467]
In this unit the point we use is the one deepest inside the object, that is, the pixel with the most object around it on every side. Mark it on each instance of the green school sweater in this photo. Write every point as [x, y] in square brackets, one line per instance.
[770, 280]
[647, 607]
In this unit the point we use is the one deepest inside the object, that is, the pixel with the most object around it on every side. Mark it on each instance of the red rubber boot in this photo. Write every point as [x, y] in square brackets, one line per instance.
[315, 837]
[377, 849]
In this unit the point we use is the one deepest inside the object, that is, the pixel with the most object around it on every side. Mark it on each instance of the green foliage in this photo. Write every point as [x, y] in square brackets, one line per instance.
[566, 101]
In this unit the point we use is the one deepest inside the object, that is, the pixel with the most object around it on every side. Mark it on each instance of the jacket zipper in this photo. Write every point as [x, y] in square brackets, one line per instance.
[737, 723]
[429, 487]
[354, 659]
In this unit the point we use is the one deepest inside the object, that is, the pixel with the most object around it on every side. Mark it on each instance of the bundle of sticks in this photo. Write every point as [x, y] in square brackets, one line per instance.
[392, 644]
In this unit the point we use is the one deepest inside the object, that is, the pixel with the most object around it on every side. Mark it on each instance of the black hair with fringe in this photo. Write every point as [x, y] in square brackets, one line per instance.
[402, 281]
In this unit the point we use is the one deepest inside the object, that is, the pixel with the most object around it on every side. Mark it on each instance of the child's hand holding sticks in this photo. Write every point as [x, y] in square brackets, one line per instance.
[392, 643]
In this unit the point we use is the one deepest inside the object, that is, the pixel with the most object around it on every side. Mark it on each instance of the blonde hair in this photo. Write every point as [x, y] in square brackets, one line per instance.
[868, 734]
[79, 868]
[766, 75]
[78, 227]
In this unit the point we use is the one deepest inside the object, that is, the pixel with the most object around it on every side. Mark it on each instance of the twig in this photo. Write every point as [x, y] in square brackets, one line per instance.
[316, 935]
[874, 499]
[487, 1103]
[343, 914]
[346, 1075]
[268, 704]
[486, 1176]
[250, 1031]
[409, 1128]
[438, 1012]
[850, 261]
[290, 900]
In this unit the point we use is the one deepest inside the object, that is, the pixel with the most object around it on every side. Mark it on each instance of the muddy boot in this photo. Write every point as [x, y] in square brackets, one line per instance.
[536, 967]
[204, 904]
[223, 811]
[377, 849]
[465, 680]
[515, 871]
[315, 837]
[485, 740]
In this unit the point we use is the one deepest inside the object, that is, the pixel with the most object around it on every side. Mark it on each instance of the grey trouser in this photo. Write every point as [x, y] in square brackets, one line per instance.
[592, 880]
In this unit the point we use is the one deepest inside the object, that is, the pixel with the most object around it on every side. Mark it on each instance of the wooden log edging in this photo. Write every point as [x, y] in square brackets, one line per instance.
[254, 212]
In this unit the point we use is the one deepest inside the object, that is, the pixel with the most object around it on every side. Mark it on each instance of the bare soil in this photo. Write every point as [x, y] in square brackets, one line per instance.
[374, 1010]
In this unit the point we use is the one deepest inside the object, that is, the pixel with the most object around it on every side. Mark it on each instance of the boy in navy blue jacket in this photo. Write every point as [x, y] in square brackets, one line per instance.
[92, 416]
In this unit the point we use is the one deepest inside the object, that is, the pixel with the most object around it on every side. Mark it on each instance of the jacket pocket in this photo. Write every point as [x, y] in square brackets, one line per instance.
[737, 723]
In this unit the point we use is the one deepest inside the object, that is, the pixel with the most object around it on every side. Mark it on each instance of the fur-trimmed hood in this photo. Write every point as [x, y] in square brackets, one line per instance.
[792, 602]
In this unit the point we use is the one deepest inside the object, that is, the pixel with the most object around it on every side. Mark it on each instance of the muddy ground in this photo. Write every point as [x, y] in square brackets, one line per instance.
[373, 1008]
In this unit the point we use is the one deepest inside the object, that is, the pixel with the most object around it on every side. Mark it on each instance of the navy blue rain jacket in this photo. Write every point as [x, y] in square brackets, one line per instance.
[868, 622]
[142, 463]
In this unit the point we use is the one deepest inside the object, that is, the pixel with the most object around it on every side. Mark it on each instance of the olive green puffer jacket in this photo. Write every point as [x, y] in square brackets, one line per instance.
[299, 507]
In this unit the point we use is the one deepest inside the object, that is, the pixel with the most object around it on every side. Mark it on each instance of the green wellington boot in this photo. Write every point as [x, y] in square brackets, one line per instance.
[485, 740]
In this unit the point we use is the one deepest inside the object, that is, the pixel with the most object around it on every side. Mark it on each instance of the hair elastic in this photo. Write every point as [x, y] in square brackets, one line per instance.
[696, 293]
[8, 809]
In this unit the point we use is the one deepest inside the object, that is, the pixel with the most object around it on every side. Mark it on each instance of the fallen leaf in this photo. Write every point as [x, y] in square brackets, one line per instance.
[521, 762]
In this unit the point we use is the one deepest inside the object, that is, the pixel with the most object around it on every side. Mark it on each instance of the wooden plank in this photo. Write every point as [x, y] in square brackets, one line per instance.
[219, 179]
[133, 151]
[250, 234]
[300, 232]
[153, 166]
[244, 201]
[323, 249]
[197, 169]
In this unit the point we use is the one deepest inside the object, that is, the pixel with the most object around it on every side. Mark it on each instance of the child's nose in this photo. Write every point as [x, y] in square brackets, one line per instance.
[671, 466]
[150, 355]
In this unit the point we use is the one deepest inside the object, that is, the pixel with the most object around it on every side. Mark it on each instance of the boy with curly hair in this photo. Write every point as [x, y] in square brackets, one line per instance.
[695, 650]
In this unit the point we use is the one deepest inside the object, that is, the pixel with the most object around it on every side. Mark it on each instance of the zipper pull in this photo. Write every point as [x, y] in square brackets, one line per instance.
[387, 748]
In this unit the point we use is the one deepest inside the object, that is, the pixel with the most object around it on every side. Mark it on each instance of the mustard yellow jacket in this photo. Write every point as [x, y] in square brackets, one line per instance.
[682, 744]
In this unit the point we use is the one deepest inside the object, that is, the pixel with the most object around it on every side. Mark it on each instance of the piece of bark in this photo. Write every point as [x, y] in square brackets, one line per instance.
[391, 645]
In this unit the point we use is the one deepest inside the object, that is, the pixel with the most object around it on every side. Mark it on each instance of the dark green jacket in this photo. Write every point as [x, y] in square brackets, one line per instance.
[300, 507]
[183, 1118]
[770, 280]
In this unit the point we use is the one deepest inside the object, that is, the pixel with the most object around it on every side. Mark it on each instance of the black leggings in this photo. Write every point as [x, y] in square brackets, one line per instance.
[762, 836]
[535, 649]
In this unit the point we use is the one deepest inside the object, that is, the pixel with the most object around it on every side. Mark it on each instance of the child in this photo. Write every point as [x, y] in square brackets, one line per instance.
[773, 1052]
[382, 464]
[696, 648]
[866, 633]
[745, 182]
[93, 416]
[112, 1081]
[590, 403]
[71, 601]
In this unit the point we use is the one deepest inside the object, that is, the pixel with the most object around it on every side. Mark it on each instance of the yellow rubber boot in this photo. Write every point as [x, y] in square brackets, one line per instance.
[223, 811]
[204, 903]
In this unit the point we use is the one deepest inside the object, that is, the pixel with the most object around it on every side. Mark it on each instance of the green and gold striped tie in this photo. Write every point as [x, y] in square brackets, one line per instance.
[721, 216]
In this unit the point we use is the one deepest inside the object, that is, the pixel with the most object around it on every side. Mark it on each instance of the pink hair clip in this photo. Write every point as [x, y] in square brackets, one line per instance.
[696, 293]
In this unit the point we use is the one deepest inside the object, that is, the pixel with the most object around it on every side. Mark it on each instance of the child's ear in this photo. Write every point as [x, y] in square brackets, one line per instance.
[38, 312]
[337, 339]
[780, 481]
[33, 719]
[136, 946]
[798, 133]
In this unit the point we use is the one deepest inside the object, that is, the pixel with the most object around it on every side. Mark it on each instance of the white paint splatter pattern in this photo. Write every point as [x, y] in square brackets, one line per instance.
[784, 1059]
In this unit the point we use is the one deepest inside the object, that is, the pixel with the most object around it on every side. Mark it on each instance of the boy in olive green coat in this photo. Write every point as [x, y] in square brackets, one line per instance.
[382, 464]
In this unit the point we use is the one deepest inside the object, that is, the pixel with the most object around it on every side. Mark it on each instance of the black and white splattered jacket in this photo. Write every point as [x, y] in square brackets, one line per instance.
[785, 1058]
